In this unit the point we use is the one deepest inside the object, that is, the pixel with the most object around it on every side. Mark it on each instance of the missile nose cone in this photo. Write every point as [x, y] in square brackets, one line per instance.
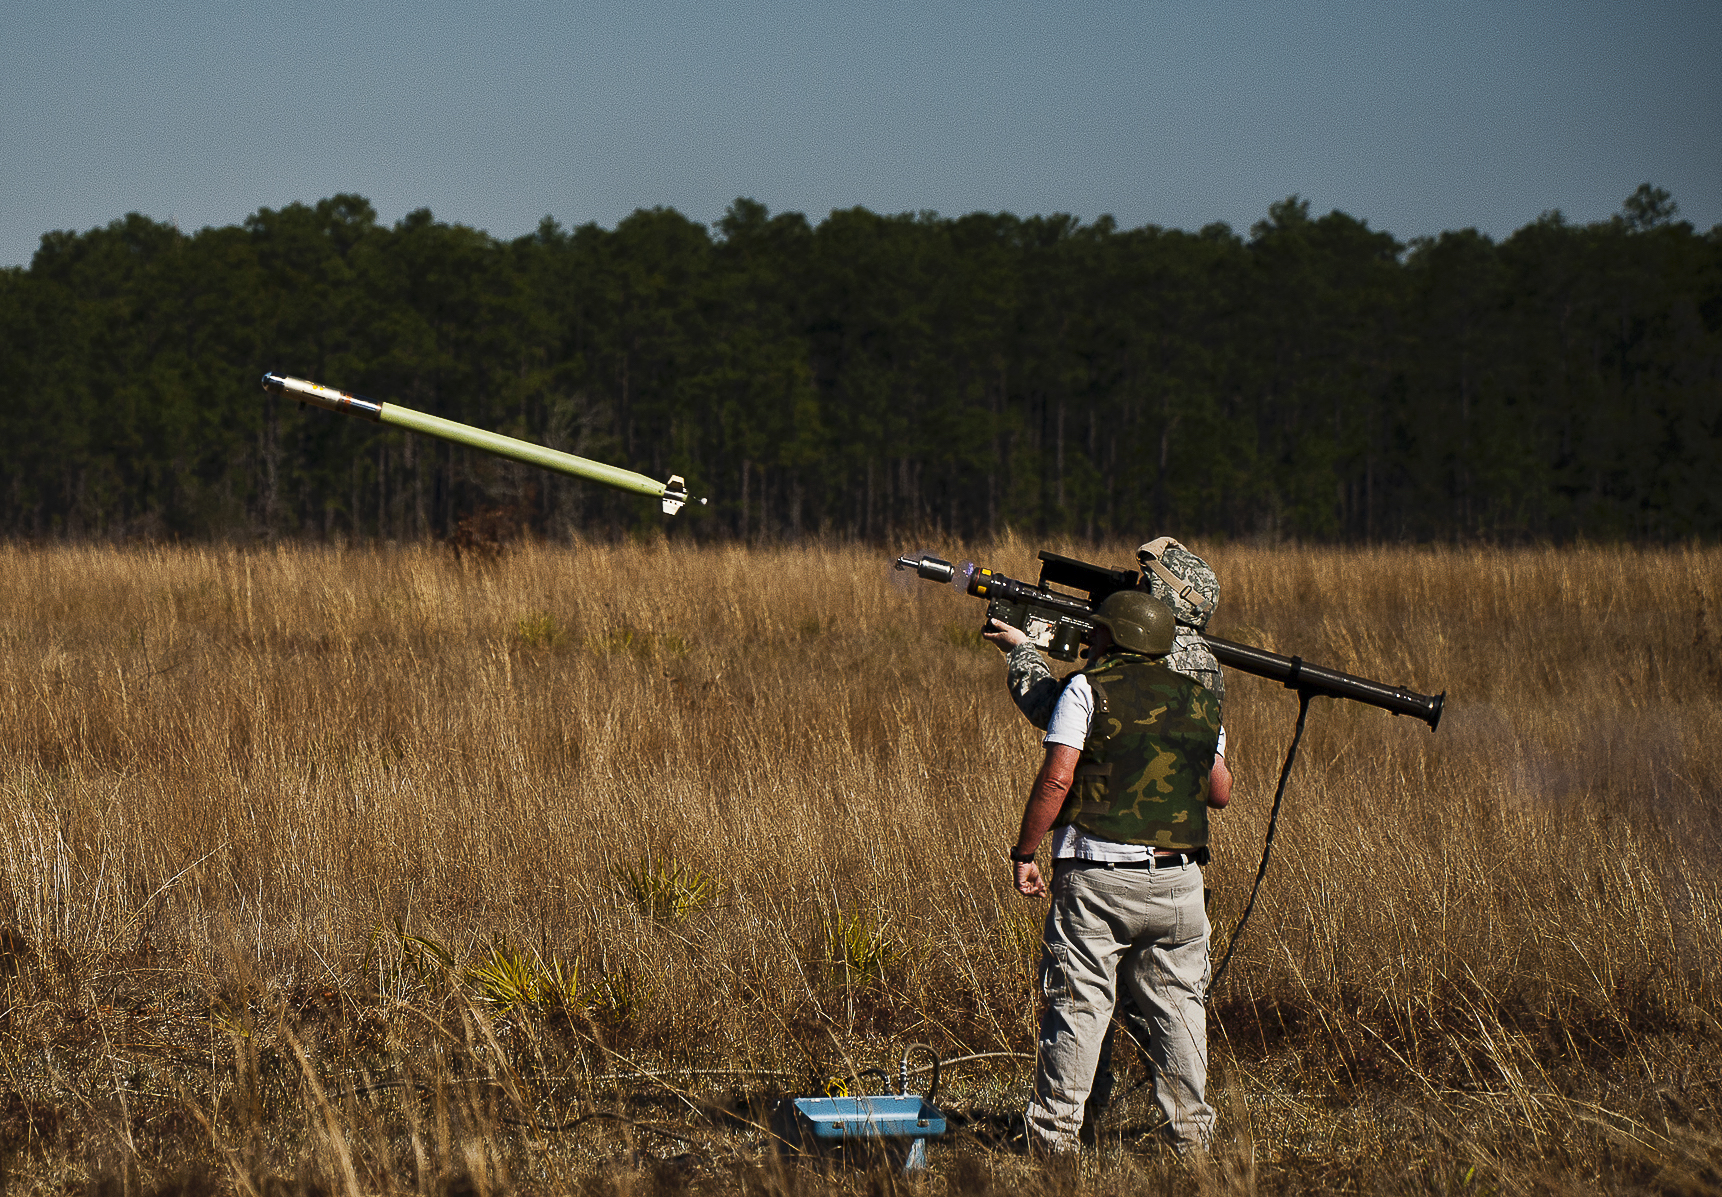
[274, 382]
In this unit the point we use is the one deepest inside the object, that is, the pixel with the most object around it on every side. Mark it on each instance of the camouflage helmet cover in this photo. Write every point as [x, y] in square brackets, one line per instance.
[1192, 592]
[1138, 622]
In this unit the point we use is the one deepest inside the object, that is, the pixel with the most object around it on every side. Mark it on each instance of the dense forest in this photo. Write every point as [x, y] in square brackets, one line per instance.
[875, 376]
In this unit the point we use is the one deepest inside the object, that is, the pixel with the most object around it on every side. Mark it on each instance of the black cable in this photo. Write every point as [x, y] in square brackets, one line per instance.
[878, 1072]
[932, 1089]
[1303, 697]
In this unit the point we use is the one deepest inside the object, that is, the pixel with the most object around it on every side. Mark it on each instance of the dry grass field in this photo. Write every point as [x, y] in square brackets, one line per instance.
[362, 871]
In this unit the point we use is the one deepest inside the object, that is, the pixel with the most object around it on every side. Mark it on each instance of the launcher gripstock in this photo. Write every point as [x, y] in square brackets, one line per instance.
[1058, 623]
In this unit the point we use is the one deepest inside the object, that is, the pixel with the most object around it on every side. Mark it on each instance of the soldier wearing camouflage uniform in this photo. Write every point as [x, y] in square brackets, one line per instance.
[1192, 593]
[1127, 889]
[1035, 690]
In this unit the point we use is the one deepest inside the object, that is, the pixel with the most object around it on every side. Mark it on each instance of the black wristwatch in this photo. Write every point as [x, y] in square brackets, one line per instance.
[1020, 858]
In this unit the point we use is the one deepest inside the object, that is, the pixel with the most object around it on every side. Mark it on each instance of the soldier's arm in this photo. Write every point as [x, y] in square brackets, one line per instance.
[1192, 657]
[1032, 686]
[1219, 784]
[1041, 812]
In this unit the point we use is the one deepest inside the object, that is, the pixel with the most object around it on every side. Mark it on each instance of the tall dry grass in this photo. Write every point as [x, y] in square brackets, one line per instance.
[755, 803]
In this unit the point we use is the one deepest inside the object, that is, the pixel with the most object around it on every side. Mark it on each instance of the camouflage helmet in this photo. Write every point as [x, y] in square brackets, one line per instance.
[1180, 579]
[1138, 622]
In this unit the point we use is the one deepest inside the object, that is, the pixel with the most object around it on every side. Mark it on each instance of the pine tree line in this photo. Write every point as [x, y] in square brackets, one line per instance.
[875, 376]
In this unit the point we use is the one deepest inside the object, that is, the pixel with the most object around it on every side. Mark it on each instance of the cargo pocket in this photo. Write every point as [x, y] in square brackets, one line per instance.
[1054, 977]
[1058, 999]
[1090, 785]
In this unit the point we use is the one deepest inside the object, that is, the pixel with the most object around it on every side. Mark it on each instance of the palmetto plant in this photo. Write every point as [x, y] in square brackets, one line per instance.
[507, 977]
[666, 890]
[859, 948]
[539, 630]
[619, 998]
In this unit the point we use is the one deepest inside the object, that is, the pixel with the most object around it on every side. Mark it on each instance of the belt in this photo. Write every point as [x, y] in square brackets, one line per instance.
[1171, 860]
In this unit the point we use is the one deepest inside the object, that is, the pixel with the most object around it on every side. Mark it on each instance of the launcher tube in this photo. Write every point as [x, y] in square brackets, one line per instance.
[1298, 674]
[673, 493]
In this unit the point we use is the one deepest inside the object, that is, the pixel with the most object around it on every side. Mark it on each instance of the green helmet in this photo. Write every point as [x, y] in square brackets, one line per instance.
[1139, 623]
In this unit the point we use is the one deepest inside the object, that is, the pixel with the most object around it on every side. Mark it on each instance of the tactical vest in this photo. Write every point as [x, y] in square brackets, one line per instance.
[1143, 776]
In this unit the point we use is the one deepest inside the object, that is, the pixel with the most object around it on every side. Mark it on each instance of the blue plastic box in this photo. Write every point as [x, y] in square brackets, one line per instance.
[836, 1121]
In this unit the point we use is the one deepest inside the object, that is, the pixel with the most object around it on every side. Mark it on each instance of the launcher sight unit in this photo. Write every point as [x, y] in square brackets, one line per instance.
[1058, 623]
[1055, 623]
[673, 494]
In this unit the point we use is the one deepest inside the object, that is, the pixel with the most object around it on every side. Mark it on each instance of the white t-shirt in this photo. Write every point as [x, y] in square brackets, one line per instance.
[1069, 726]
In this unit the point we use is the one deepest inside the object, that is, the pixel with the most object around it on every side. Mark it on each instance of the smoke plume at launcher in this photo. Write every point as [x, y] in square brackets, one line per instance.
[673, 494]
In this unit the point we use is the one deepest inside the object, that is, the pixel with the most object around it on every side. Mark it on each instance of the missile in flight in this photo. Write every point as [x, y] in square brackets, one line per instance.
[673, 494]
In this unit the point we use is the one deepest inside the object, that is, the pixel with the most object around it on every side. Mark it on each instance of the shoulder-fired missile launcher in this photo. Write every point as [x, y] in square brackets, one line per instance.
[1059, 623]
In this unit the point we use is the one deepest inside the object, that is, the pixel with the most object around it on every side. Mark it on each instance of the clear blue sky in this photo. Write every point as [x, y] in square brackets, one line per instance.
[1415, 117]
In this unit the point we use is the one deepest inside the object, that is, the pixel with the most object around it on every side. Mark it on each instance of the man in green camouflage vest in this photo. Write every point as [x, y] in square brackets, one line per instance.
[1188, 585]
[1131, 769]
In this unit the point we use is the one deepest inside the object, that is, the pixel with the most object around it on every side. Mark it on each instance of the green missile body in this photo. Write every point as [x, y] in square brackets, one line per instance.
[673, 493]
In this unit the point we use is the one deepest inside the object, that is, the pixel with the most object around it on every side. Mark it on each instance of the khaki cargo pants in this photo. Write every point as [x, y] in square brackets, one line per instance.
[1144, 928]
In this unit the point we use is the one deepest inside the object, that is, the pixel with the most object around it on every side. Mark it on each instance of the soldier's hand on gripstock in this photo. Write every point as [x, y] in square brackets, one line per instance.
[1003, 635]
[1029, 882]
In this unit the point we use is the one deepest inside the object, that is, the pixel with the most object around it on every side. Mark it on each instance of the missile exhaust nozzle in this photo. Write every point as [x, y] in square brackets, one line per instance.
[675, 494]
